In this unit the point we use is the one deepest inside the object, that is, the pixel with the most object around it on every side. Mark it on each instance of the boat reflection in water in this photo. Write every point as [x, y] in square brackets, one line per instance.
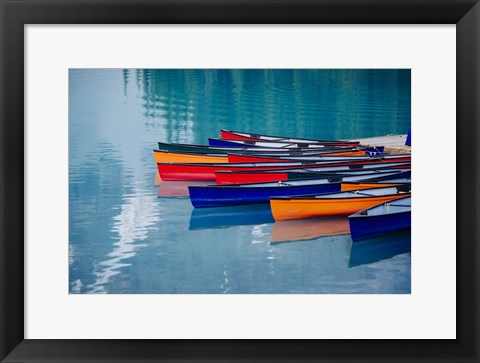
[178, 188]
[231, 216]
[157, 180]
[380, 248]
[310, 228]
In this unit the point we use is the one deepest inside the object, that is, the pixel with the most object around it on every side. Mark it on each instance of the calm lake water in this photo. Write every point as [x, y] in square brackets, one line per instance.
[129, 236]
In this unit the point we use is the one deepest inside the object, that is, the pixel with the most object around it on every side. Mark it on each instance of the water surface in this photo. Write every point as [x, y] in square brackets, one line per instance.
[128, 237]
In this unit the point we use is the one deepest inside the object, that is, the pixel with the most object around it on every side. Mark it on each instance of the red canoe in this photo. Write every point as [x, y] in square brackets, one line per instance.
[190, 171]
[263, 176]
[238, 135]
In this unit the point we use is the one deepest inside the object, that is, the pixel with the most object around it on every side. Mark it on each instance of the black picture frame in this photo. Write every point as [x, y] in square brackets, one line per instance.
[16, 14]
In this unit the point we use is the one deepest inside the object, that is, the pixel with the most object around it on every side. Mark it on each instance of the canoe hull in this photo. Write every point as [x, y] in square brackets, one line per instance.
[178, 157]
[233, 136]
[242, 149]
[358, 186]
[253, 158]
[285, 209]
[373, 226]
[214, 196]
[246, 178]
[264, 158]
[206, 171]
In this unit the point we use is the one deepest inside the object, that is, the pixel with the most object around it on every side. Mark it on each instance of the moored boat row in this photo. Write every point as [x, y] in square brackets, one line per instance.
[298, 178]
[207, 171]
[254, 193]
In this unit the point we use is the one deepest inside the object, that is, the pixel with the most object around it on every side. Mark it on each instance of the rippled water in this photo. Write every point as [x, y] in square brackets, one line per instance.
[128, 236]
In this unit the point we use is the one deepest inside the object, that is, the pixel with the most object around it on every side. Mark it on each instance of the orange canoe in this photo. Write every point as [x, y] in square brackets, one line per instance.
[358, 186]
[332, 204]
[170, 157]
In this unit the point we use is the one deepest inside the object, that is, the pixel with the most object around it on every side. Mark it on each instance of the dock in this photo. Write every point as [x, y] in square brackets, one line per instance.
[394, 144]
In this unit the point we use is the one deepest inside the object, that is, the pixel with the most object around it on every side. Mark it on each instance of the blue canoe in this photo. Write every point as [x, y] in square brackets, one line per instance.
[226, 195]
[240, 194]
[381, 219]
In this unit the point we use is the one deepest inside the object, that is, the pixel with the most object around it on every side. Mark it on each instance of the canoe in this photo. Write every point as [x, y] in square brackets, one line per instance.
[206, 171]
[227, 195]
[258, 158]
[234, 157]
[332, 204]
[308, 229]
[259, 175]
[227, 177]
[313, 158]
[239, 135]
[372, 176]
[387, 217]
[182, 157]
[162, 156]
[274, 144]
[301, 174]
[205, 149]
[349, 185]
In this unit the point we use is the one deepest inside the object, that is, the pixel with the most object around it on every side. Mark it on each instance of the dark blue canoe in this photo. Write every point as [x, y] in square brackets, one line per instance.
[225, 195]
[254, 193]
[242, 150]
[381, 219]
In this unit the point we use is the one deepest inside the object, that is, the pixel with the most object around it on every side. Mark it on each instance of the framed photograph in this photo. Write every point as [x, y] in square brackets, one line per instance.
[115, 244]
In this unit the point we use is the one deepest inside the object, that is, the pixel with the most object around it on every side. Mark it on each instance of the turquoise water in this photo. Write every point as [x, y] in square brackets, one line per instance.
[129, 236]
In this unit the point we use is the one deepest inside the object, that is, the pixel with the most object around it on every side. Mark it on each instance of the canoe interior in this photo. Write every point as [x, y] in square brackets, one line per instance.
[401, 205]
[363, 193]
